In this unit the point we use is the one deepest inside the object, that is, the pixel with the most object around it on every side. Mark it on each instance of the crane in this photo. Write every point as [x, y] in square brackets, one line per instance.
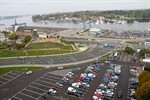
[17, 25]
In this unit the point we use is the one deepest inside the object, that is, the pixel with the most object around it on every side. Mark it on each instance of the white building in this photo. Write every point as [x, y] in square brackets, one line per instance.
[42, 35]
[147, 42]
[95, 31]
[147, 58]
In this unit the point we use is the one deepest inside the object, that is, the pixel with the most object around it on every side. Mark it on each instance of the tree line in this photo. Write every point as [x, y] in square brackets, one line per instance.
[129, 15]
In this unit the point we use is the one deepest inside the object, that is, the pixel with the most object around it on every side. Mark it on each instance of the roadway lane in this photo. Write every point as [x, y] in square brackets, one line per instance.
[95, 84]
[123, 82]
[61, 59]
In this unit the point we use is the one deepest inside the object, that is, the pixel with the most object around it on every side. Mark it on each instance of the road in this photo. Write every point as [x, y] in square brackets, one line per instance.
[91, 53]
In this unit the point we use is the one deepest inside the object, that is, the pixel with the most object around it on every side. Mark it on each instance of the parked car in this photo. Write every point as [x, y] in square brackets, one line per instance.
[28, 72]
[51, 91]
[119, 94]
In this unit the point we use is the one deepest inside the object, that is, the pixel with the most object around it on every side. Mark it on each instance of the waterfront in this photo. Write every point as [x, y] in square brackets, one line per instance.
[28, 20]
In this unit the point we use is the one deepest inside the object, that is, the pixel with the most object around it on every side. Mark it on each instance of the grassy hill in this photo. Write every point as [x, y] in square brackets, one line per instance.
[39, 48]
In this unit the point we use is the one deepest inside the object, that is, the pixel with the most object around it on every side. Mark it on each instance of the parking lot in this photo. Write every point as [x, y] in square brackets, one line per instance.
[34, 90]
[89, 82]
[106, 84]
[8, 77]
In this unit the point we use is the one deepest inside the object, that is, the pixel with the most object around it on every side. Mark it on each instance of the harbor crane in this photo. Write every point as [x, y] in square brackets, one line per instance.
[17, 25]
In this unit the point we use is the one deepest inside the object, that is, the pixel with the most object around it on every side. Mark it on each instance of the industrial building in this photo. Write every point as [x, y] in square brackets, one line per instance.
[147, 42]
[147, 58]
[42, 32]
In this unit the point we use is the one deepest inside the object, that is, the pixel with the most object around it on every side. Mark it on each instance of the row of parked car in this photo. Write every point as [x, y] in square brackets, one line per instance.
[106, 90]
[83, 82]
[133, 82]
[133, 69]
[59, 84]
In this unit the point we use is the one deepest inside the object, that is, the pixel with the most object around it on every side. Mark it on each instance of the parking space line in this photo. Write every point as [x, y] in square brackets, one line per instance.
[46, 82]
[15, 73]
[27, 95]
[37, 88]
[49, 79]
[4, 78]
[42, 85]
[2, 82]
[5, 74]
[9, 76]
[53, 77]
[32, 91]
[17, 98]
[10, 80]
[73, 96]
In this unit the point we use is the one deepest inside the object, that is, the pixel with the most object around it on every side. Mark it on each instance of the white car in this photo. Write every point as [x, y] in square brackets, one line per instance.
[103, 85]
[95, 98]
[28, 72]
[99, 91]
[87, 85]
[76, 84]
[132, 70]
[71, 89]
[70, 73]
[107, 62]
[91, 75]
[83, 75]
[52, 91]
[109, 93]
[113, 83]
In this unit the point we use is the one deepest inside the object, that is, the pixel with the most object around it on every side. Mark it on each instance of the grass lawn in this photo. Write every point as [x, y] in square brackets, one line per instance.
[47, 52]
[132, 42]
[66, 42]
[6, 53]
[18, 69]
[46, 45]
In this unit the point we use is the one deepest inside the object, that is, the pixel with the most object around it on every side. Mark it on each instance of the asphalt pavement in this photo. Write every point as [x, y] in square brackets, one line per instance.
[91, 53]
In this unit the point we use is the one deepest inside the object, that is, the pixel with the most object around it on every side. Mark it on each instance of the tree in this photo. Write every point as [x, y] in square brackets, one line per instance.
[13, 36]
[143, 89]
[26, 39]
[145, 79]
[129, 50]
[143, 52]
[143, 92]
[19, 46]
[142, 75]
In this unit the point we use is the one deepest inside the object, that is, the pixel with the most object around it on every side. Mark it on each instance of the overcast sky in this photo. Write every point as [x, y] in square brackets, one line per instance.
[23, 7]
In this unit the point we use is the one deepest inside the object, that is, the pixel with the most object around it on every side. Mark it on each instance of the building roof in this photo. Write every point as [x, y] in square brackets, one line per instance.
[41, 29]
[147, 56]
[147, 40]
[94, 30]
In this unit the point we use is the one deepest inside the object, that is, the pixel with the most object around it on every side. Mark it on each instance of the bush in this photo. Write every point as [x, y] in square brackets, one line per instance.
[19, 46]
[129, 50]
[147, 68]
